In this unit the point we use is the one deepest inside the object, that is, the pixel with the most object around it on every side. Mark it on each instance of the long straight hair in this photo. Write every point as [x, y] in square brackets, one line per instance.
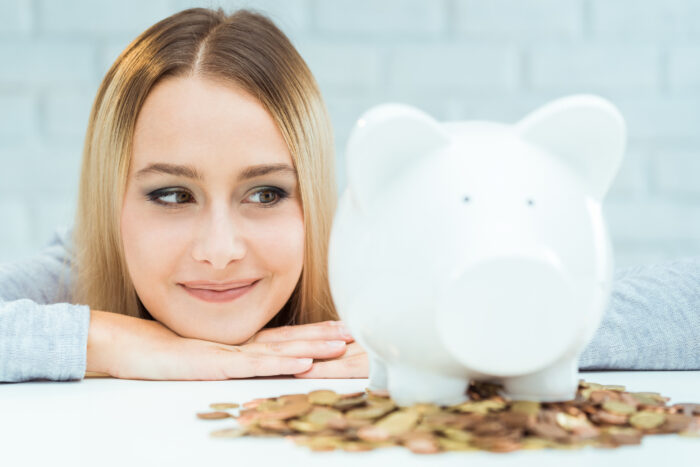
[244, 48]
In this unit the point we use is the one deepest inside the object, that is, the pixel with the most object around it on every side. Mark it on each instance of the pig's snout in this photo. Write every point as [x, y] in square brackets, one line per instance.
[508, 315]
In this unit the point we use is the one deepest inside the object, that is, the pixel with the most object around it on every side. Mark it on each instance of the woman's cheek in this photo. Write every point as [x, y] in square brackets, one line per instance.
[288, 243]
[152, 247]
[151, 243]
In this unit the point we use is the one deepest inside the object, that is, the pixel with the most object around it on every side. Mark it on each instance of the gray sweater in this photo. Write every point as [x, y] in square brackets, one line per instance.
[652, 320]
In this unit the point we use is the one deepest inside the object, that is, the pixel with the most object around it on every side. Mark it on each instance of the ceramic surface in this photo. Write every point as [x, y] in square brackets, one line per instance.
[476, 249]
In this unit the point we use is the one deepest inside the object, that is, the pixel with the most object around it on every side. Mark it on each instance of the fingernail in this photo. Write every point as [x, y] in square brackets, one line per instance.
[335, 344]
[305, 361]
[344, 331]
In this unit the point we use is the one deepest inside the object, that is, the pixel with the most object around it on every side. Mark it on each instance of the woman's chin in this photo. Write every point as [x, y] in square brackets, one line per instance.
[237, 337]
[212, 326]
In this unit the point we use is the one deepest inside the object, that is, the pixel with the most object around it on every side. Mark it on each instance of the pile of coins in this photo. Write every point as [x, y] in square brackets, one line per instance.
[602, 416]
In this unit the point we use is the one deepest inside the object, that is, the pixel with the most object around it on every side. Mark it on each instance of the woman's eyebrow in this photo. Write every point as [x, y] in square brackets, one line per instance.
[264, 169]
[189, 171]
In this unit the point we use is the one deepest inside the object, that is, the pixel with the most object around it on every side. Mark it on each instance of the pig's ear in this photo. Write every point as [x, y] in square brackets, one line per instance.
[385, 140]
[586, 131]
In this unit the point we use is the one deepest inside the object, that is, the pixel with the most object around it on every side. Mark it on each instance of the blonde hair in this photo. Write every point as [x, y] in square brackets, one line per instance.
[244, 48]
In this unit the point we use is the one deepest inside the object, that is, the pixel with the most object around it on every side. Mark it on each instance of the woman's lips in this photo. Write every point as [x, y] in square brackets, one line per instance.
[217, 296]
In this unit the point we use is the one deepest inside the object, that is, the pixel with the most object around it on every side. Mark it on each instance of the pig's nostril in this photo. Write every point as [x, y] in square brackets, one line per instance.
[466, 199]
[530, 202]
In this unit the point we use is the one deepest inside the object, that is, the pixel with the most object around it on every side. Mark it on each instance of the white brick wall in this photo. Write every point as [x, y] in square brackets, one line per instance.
[517, 20]
[15, 17]
[370, 20]
[669, 21]
[457, 59]
[449, 69]
[87, 18]
[18, 115]
[684, 69]
[569, 67]
[674, 174]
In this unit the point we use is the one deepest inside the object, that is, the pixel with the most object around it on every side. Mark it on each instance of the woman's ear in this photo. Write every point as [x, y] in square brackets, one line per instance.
[385, 140]
[585, 131]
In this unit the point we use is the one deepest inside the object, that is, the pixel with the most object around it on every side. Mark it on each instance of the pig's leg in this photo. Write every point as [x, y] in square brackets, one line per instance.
[408, 386]
[377, 372]
[557, 382]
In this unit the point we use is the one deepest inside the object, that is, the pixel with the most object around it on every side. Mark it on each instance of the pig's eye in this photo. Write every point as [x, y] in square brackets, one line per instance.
[466, 199]
[530, 202]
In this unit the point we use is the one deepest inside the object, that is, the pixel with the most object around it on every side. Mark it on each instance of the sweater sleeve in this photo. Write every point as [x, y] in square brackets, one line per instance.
[43, 341]
[42, 336]
[652, 321]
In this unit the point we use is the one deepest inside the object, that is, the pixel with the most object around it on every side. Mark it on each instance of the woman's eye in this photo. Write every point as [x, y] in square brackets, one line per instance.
[175, 197]
[269, 196]
[265, 197]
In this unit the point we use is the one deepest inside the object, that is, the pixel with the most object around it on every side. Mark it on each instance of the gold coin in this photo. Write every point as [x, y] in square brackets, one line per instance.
[223, 405]
[572, 423]
[618, 407]
[647, 420]
[273, 424]
[449, 444]
[323, 397]
[424, 409]
[304, 426]
[457, 435]
[270, 405]
[290, 410]
[349, 402]
[613, 387]
[533, 442]
[421, 442]
[323, 416]
[229, 433]
[289, 398]
[213, 415]
[481, 407]
[394, 424]
[648, 398]
[357, 446]
[528, 407]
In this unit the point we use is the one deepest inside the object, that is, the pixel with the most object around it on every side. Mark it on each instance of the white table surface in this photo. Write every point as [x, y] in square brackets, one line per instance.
[106, 421]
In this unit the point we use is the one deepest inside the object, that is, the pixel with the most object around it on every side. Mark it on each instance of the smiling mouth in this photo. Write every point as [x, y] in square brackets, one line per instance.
[217, 296]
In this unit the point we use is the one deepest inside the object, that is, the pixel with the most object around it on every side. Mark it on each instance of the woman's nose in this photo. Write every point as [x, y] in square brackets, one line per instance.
[219, 239]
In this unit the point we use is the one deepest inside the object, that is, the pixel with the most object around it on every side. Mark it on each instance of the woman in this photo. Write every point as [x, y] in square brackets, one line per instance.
[208, 165]
[200, 241]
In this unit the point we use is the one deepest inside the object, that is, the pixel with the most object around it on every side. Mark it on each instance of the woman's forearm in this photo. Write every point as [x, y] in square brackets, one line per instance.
[110, 334]
[100, 344]
[121, 346]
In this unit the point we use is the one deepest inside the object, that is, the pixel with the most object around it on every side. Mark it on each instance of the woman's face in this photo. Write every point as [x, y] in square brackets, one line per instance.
[211, 200]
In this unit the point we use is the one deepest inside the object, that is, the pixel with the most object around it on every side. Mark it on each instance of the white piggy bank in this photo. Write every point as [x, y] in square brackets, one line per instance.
[476, 250]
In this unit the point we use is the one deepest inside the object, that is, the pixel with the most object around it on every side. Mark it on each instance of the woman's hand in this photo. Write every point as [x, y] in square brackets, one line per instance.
[133, 348]
[352, 364]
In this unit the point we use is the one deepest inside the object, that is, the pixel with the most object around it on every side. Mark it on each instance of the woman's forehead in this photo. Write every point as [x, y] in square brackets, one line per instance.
[204, 122]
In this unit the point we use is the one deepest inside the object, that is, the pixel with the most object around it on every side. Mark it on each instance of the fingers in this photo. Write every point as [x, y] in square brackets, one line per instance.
[356, 366]
[353, 349]
[324, 330]
[244, 365]
[299, 348]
